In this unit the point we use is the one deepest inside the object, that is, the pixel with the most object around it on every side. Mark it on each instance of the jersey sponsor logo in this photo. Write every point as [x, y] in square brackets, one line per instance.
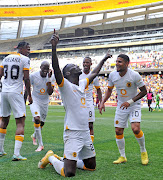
[42, 91]
[129, 84]
[123, 92]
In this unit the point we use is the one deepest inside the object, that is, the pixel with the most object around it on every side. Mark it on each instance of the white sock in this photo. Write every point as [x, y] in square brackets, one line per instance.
[38, 135]
[141, 142]
[18, 145]
[2, 139]
[57, 164]
[80, 164]
[121, 146]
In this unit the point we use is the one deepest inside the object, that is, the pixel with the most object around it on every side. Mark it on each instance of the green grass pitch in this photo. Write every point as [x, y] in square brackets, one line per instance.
[105, 146]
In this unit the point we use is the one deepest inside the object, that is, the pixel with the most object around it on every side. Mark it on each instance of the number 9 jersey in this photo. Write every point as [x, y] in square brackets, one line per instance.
[13, 66]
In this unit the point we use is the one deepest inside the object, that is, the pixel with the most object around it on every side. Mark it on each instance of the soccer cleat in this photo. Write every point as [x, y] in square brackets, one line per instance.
[120, 160]
[40, 148]
[144, 158]
[45, 160]
[34, 140]
[18, 158]
[3, 154]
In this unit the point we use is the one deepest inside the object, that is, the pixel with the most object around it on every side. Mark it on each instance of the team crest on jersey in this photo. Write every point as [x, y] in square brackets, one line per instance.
[129, 84]
[116, 122]
[74, 154]
[36, 113]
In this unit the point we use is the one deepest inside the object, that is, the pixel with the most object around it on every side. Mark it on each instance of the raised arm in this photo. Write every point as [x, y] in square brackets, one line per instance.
[97, 69]
[55, 63]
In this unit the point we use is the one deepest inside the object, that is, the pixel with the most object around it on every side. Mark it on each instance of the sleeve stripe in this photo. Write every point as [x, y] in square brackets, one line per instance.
[25, 68]
[97, 87]
[61, 85]
[87, 83]
[111, 87]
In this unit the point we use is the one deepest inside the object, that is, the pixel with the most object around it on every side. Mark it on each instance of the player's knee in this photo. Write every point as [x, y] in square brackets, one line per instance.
[91, 126]
[69, 174]
[118, 131]
[136, 130]
[37, 120]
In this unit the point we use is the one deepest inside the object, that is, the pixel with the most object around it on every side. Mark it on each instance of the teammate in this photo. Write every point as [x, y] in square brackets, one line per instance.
[126, 82]
[43, 85]
[157, 101]
[14, 67]
[87, 62]
[78, 147]
[149, 98]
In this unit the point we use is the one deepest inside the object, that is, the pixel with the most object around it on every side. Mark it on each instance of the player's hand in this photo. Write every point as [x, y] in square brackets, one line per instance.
[54, 39]
[30, 100]
[108, 55]
[50, 73]
[124, 105]
[101, 107]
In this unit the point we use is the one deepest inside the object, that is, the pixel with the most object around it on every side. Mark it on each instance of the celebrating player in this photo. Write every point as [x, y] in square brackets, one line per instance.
[15, 67]
[87, 62]
[126, 82]
[78, 147]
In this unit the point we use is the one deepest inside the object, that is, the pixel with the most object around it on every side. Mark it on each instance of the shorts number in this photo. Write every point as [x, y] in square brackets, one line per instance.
[90, 113]
[92, 147]
[14, 71]
[135, 114]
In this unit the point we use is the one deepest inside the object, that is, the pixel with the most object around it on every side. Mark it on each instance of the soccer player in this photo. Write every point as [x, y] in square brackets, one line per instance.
[14, 67]
[87, 62]
[78, 146]
[149, 98]
[43, 85]
[157, 101]
[126, 82]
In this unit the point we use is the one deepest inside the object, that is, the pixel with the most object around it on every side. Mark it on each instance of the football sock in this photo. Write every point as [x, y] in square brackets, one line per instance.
[141, 140]
[92, 137]
[2, 138]
[38, 134]
[121, 144]
[18, 144]
[58, 165]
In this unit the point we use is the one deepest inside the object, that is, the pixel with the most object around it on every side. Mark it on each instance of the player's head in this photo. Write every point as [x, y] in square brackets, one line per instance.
[122, 62]
[87, 62]
[44, 68]
[71, 70]
[23, 48]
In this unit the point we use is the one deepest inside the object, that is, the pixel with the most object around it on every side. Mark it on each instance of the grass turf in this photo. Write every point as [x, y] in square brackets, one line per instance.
[105, 146]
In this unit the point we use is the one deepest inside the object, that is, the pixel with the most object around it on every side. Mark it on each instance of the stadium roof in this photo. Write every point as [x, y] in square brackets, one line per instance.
[23, 18]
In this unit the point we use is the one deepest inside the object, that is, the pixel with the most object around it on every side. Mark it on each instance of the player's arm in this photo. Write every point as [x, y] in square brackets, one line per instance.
[28, 85]
[142, 93]
[1, 71]
[106, 97]
[55, 64]
[97, 69]
[49, 84]
[99, 94]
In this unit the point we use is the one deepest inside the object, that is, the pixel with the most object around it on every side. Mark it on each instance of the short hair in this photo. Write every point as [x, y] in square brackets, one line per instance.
[87, 57]
[22, 44]
[125, 57]
[64, 70]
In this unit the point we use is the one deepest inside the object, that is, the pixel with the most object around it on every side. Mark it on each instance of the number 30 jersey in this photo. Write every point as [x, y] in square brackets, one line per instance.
[13, 66]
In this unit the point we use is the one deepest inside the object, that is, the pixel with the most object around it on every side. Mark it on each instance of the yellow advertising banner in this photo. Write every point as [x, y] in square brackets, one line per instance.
[100, 5]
